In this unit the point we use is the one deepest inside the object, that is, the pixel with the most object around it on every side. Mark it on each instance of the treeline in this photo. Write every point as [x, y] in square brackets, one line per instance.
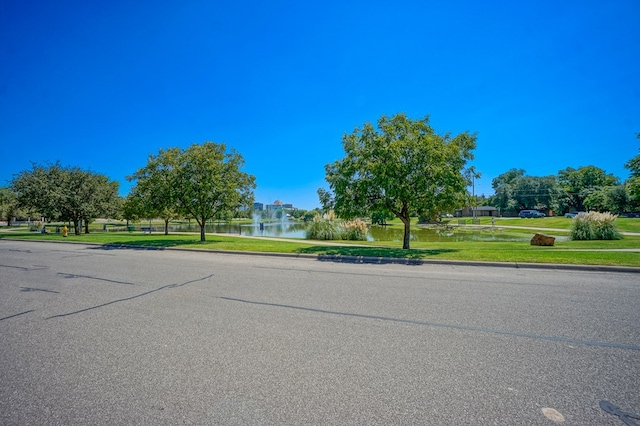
[387, 171]
[587, 188]
[200, 182]
[58, 192]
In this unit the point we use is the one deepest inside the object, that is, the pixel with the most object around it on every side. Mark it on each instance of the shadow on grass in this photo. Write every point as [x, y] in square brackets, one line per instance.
[155, 244]
[370, 254]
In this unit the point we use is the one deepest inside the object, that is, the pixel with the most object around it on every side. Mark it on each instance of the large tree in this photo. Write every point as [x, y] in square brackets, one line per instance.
[514, 190]
[100, 196]
[67, 193]
[578, 184]
[632, 184]
[9, 207]
[400, 167]
[154, 194]
[613, 199]
[504, 187]
[202, 182]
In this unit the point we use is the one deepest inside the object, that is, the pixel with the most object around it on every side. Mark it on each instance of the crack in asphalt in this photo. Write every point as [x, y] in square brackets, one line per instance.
[22, 268]
[94, 278]
[38, 289]
[146, 293]
[443, 325]
[16, 315]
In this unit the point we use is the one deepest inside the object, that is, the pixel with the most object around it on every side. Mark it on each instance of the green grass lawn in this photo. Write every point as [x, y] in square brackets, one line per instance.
[564, 252]
[624, 224]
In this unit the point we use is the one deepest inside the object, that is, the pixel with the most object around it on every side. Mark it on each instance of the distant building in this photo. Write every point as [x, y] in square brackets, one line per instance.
[258, 206]
[480, 211]
[279, 205]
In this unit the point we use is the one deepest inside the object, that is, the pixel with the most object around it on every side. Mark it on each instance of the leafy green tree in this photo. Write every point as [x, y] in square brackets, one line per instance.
[400, 167]
[577, 184]
[613, 199]
[154, 194]
[504, 188]
[309, 215]
[202, 182]
[131, 209]
[9, 207]
[67, 193]
[514, 191]
[41, 189]
[632, 184]
[117, 209]
[380, 218]
[326, 201]
[211, 182]
[536, 192]
[102, 197]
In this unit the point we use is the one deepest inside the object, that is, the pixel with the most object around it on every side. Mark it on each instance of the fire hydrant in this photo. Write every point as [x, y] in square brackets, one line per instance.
[64, 231]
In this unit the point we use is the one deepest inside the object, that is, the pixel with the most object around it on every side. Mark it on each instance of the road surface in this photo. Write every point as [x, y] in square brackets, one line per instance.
[92, 335]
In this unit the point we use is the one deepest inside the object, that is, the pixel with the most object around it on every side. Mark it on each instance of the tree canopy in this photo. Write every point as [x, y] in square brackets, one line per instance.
[579, 183]
[633, 183]
[201, 181]
[400, 167]
[154, 195]
[613, 199]
[67, 193]
[505, 188]
[514, 190]
[9, 207]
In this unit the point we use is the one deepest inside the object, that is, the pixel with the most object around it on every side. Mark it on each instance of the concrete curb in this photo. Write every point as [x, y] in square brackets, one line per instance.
[369, 259]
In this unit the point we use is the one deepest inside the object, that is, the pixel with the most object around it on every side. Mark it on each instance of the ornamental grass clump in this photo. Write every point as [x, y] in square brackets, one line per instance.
[323, 228]
[354, 230]
[595, 226]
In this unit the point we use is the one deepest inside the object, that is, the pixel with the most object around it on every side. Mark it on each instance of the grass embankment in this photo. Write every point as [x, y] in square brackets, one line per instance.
[564, 252]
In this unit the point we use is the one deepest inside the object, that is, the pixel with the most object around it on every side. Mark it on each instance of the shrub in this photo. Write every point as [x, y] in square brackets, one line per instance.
[581, 228]
[595, 226]
[354, 230]
[323, 228]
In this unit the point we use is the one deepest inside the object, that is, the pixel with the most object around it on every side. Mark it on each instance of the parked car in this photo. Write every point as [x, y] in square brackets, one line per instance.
[530, 214]
[572, 214]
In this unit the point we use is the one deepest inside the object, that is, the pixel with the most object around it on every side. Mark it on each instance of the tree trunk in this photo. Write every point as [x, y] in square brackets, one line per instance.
[202, 223]
[166, 227]
[76, 226]
[86, 226]
[407, 232]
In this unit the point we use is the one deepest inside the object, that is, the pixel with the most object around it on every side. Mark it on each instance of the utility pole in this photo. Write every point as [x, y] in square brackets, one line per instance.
[473, 195]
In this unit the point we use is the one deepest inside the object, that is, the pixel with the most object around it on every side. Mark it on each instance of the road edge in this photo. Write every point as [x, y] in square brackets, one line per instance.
[368, 259]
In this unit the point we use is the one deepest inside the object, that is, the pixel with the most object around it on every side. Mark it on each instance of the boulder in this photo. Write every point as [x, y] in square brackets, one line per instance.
[542, 240]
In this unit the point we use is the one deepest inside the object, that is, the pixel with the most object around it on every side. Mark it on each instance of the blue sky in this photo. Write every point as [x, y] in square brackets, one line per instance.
[101, 85]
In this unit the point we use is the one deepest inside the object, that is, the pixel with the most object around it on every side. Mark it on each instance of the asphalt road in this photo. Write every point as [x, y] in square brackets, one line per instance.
[149, 337]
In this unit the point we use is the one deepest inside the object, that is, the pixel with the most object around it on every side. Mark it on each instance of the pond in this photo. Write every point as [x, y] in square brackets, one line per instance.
[289, 229]
[269, 229]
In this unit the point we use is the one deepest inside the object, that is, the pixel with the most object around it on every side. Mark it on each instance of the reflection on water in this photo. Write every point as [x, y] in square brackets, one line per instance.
[273, 229]
[376, 233]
